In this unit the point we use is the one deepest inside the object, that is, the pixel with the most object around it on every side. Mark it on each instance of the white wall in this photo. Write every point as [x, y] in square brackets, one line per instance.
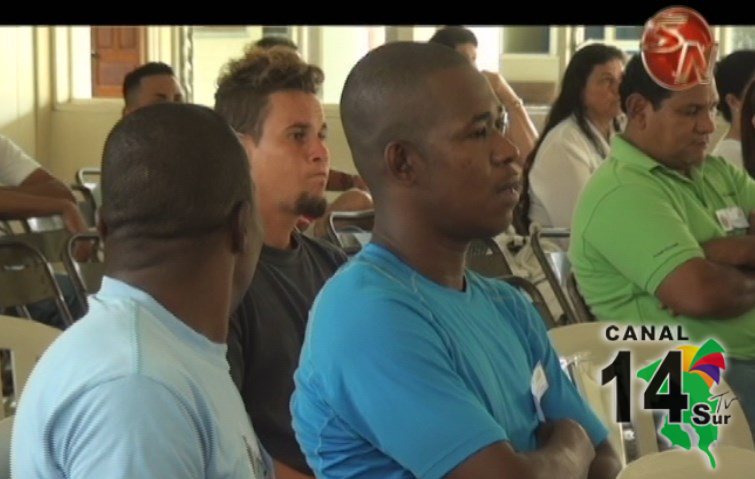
[77, 136]
[349, 45]
[212, 50]
[17, 93]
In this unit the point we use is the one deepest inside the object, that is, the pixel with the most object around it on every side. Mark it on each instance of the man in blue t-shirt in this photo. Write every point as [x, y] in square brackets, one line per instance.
[139, 387]
[412, 366]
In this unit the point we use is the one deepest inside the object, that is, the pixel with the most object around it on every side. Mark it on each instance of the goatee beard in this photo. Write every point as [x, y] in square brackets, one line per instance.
[310, 206]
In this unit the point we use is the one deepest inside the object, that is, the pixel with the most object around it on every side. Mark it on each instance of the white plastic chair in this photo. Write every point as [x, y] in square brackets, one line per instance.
[6, 425]
[26, 340]
[731, 463]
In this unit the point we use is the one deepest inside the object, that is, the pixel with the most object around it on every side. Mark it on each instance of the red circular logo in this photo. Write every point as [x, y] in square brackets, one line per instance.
[677, 47]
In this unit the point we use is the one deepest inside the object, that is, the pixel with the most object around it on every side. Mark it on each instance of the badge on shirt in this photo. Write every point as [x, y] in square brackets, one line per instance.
[732, 218]
[539, 386]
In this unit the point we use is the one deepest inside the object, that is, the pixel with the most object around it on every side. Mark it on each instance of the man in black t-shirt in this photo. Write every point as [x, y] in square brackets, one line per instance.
[269, 98]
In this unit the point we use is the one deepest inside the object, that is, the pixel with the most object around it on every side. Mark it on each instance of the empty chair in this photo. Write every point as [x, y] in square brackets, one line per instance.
[486, 258]
[26, 340]
[86, 275]
[350, 230]
[26, 278]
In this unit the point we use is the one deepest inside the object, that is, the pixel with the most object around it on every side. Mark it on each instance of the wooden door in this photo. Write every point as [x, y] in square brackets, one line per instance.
[115, 52]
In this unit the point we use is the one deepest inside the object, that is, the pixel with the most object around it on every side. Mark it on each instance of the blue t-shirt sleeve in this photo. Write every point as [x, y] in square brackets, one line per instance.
[561, 400]
[125, 428]
[387, 374]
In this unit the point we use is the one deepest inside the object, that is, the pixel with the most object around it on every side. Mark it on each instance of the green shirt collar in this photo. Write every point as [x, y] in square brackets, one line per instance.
[627, 153]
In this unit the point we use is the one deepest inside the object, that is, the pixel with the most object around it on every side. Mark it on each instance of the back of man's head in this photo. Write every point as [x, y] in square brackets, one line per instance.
[385, 98]
[453, 36]
[275, 41]
[172, 171]
[245, 85]
[132, 81]
[637, 80]
[733, 74]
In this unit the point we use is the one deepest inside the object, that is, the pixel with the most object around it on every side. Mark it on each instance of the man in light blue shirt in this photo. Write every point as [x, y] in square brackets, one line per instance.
[412, 366]
[139, 388]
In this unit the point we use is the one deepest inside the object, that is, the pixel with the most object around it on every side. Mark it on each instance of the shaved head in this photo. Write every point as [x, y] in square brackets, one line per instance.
[387, 97]
[172, 171]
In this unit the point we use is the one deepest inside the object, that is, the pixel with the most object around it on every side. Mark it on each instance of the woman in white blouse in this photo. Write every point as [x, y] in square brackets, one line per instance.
[575, 139]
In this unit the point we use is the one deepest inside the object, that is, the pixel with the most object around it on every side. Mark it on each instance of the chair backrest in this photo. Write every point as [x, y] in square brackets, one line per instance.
[535, 296]
[88, 177]
[555, 266]
[50, 242]
[580, 306]
[485, 257]
[86, 275]
[26, 277]
[6, 427]
[86, 203]
[26, 340]
[587, 352]
[350, 230]
[41, 224]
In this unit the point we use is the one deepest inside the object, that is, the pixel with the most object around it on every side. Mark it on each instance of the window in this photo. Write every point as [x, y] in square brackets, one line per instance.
[535, 39]
[626, 38]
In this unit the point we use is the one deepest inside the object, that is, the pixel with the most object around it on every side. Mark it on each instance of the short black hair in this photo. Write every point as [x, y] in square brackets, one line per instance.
[385, 98]
[452, 36]
[733, 74]
[172, 171]
[245, 85]
[133, 79]
[637, 80]
[275, 41]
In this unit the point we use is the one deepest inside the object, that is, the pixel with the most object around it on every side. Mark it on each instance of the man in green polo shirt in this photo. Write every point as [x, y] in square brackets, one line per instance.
[661, 232]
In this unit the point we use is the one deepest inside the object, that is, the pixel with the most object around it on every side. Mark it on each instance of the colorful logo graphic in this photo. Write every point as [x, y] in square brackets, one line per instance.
[701, 367]
[678, 48]
[681, 388]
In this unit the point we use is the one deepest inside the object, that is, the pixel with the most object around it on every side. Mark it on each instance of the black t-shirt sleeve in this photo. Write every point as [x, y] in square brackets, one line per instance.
[236, 350]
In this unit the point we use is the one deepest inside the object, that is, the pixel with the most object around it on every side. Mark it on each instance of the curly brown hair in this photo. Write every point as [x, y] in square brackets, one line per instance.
[245, 85]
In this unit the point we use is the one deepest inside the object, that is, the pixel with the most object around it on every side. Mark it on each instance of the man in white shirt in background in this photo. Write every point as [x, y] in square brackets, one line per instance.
[28, 190]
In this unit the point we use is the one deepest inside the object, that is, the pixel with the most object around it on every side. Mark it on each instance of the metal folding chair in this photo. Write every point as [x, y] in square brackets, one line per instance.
[581, 309]
[26, 277]
[350, 230]
[86, 275]
[86, 203]
[556, 267]
[486, 258]
[88, 177]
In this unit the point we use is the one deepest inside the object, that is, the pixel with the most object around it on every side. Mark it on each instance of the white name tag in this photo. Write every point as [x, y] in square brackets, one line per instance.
[539, 386]
[732, 218]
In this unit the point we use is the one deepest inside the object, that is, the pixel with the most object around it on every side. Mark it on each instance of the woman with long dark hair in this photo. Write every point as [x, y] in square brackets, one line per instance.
[575, 139]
